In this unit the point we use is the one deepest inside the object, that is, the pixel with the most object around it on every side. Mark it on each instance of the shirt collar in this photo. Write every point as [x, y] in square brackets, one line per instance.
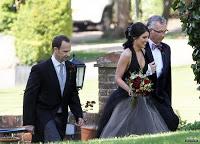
[55, 61]
[151, 43]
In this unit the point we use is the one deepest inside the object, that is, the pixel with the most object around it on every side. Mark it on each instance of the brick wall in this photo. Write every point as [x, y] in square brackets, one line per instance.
[10, 121]
[106, 71]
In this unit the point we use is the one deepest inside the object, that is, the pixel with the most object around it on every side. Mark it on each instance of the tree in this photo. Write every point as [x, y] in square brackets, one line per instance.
[121, 18]
[37, 23]
[166, 8]
[7, 15]
[136, 9]
[189, 12]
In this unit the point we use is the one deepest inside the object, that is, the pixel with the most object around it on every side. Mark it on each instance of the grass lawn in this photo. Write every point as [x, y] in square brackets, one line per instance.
[11, 101]
[179, 137]
[185, 95]
[88, 55]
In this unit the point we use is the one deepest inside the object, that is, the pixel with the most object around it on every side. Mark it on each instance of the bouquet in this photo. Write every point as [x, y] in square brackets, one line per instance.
[139, 84]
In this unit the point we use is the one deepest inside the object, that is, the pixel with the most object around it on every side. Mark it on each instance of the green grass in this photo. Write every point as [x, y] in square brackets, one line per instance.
[100, 41]
[169, 35]
[179, 137]
[185, 96]
[88, 55]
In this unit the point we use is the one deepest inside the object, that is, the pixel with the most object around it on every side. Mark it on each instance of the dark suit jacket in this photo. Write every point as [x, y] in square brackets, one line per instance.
[162, 85]
[42, 96]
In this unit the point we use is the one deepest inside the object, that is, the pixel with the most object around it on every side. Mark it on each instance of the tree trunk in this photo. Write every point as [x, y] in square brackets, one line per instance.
[122, 15]
[166, 8]
[137, 9]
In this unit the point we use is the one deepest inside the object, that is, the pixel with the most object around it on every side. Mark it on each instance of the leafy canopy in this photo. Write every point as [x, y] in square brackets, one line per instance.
[37, 23]
[189, 12]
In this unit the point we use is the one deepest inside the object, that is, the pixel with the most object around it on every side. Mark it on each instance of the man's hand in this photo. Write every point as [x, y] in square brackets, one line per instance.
[80, 122]
[153, 66]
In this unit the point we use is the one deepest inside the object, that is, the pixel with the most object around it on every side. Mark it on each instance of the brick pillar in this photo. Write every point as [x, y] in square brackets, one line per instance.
[106, 71]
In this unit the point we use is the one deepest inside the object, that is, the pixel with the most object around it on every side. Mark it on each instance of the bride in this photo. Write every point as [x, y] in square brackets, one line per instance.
[135, 112]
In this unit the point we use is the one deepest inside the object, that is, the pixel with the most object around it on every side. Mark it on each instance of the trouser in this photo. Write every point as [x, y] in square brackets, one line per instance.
[54, 130]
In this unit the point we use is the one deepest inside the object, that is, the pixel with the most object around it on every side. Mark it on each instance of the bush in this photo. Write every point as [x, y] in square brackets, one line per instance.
[189, 15]
[37, 23]
[192, 126]
[182, 123]
[7, 15]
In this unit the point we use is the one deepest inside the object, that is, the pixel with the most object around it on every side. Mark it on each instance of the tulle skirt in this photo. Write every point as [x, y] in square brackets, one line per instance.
[140, 118]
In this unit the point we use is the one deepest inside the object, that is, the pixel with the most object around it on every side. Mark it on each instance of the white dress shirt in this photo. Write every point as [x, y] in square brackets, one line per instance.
[56, 65]
[157, 59]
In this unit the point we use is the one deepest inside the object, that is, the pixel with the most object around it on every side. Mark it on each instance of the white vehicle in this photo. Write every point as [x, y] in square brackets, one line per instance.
[91, 12]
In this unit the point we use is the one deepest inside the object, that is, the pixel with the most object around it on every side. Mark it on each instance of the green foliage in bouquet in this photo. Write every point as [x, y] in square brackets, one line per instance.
[189, 12]
[37, 23]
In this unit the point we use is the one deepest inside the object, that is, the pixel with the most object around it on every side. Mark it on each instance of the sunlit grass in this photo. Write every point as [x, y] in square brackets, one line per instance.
[179, 137]
[11, 101]
[88, 55]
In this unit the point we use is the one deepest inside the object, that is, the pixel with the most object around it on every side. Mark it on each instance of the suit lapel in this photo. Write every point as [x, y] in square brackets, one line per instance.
[163, 53]
[148, 54]
[150, 58]
[53, 76]
[67, 75]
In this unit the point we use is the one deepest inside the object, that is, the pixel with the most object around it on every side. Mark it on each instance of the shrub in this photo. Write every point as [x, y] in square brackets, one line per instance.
[189, 15]
[7, 15]
[182, 123]
[192, 126]
[37, 23]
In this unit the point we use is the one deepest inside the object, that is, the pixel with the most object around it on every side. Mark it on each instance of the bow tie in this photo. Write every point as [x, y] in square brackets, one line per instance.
[158, 46]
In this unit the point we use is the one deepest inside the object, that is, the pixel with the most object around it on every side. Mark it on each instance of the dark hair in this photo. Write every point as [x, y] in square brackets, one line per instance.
[134, 31]
[154, 19]
[57, 41]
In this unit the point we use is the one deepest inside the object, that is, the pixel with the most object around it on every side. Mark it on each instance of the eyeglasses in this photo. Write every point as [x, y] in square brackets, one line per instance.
[165, 31]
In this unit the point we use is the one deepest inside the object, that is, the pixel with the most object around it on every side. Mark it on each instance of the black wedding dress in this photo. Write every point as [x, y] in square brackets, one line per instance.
[126, 119]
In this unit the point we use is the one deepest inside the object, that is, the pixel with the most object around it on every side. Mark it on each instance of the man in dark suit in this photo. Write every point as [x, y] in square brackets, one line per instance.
[50, 89]
[158, 54]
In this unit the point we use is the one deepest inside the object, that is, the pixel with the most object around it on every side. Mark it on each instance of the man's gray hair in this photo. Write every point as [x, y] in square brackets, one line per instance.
[154, 19]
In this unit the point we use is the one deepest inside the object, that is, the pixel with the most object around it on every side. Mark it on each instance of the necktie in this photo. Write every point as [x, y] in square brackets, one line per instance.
[61, 79]
[158, 46]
